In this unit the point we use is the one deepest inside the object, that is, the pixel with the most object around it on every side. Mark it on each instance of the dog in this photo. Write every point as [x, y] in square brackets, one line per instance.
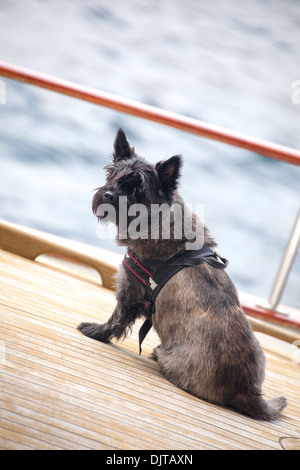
[207, 346]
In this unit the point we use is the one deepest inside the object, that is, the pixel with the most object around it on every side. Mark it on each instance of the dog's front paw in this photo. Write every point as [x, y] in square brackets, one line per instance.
[95, 331]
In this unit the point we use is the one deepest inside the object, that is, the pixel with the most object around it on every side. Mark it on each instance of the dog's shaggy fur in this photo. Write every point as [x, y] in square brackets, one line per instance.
[207, 344]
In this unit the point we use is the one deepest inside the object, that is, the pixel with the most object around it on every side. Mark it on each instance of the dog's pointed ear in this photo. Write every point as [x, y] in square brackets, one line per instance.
[122, 149]
[169, 172]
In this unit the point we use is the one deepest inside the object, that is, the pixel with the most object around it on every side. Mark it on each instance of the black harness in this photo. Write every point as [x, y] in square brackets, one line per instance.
[154, 274]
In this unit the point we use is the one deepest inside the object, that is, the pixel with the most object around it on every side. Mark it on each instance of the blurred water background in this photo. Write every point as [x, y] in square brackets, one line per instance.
[230, 63]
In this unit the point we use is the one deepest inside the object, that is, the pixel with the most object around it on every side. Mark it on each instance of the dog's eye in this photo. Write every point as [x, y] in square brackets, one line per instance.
[140, 185]
[132, 184]
[137, 190]
[137, 186]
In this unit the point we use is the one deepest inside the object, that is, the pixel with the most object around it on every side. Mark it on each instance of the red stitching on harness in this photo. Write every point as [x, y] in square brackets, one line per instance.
[145, 283]
[139, 264]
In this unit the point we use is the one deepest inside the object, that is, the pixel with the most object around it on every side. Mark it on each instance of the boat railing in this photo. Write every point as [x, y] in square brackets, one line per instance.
[285, 267]
[268, 149]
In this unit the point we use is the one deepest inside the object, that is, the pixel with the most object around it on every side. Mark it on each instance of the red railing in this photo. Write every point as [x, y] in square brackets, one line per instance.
[152, 113]
[171, 119]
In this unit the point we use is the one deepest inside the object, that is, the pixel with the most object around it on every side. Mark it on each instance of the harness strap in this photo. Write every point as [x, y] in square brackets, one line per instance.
[153, 279]
[137, 269]
[144, 330]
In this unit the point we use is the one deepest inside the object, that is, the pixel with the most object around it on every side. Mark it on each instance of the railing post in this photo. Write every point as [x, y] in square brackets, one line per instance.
[285, 265]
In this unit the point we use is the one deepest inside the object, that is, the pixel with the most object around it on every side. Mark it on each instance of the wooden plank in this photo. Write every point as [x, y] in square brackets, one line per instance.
[63, 390]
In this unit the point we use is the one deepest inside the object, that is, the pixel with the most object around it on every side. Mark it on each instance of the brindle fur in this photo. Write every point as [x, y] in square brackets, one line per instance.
[207, 344]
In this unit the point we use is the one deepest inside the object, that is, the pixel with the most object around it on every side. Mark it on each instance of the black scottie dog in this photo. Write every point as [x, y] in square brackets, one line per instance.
[174, 279]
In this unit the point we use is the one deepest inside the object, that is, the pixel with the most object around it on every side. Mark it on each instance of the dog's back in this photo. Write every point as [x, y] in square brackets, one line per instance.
[207, 344]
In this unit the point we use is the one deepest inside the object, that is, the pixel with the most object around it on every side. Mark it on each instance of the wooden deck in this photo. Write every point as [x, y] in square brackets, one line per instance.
[61, 390]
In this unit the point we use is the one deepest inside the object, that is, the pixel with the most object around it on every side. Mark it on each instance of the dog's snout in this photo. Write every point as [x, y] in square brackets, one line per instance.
[108, 196]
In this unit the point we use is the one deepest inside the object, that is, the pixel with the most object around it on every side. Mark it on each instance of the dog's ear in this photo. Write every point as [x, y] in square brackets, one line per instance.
[169, 172]
[122, 149]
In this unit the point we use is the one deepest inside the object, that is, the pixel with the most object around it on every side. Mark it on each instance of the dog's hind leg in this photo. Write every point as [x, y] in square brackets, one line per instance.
[154, 354]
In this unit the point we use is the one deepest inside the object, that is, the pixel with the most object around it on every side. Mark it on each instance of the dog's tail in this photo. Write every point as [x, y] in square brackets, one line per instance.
[256, 407]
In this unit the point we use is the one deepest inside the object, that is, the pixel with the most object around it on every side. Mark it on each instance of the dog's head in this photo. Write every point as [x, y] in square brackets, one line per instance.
[132, 181]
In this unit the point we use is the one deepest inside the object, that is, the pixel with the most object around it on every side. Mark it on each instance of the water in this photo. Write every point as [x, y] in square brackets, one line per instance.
[229, 63]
